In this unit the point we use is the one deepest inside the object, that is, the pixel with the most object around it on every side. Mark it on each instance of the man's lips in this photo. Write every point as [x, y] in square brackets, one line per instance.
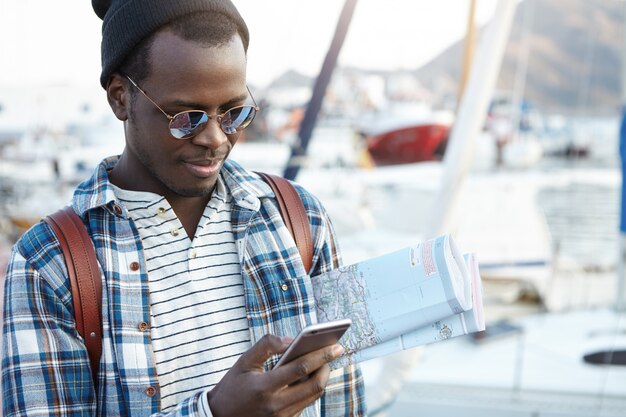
[203, 168]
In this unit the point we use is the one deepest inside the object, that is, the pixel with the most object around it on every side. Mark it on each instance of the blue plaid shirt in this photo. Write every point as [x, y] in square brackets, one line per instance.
[45, 366]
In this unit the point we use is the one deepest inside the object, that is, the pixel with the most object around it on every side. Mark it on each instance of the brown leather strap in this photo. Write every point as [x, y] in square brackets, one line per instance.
[294, 215]
[82, 267]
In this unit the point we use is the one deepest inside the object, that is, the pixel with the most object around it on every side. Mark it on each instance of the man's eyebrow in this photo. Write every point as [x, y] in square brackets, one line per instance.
[235, 101]
[193, 105]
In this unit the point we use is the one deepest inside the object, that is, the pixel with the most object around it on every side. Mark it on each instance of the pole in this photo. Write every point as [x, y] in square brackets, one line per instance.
[298, 151]
[468, 55]
[620, 298]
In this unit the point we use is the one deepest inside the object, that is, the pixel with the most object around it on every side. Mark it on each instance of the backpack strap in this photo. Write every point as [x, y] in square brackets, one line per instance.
[294, 215]
[82, 266]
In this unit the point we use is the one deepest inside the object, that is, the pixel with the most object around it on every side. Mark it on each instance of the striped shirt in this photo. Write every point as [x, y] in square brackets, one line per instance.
[197, 310]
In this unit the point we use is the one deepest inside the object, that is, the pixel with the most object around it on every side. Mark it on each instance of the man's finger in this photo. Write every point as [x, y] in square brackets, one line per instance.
[262, 350]
[300, 368]
[302, 394]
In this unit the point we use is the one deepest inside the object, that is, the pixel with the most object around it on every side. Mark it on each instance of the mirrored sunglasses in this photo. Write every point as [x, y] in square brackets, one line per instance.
[189, 123]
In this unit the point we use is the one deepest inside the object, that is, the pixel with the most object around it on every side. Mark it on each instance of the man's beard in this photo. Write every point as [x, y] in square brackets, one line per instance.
[180, 189]
[170, 183]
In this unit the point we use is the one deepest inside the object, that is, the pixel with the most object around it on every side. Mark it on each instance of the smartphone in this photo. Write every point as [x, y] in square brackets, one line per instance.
[314, 337]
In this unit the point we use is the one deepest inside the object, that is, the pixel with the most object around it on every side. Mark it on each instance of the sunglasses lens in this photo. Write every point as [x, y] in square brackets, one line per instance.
[237, 119]
[187, 124]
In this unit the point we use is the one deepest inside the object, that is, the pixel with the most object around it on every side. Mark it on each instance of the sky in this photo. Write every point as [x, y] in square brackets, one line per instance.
[46, 42]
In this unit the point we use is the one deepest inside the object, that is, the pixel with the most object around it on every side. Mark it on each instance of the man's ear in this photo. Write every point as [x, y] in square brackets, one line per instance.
[118, 94]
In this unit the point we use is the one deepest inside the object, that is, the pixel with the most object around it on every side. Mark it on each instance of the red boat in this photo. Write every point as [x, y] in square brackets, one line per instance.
[417, 143]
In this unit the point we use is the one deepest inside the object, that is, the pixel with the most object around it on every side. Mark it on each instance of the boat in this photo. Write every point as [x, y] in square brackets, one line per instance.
[419, 143]
[41, 168]
[405, 133]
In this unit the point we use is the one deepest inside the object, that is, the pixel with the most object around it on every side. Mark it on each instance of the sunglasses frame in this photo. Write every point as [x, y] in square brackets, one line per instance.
[218, 117]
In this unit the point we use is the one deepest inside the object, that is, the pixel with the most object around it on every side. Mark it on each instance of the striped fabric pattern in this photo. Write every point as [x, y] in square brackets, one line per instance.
[45, 367]
[198, 319]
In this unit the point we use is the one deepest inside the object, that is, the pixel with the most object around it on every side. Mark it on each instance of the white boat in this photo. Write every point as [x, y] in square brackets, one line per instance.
[534, 367]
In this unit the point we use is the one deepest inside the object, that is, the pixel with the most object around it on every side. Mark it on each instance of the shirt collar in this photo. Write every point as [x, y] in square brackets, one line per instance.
[246, 187]
[96, 191]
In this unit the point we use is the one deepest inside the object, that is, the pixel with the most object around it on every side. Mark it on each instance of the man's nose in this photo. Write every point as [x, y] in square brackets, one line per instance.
[212, 136]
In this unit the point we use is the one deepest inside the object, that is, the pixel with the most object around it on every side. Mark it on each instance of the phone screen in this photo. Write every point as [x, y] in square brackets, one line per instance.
[315, 337]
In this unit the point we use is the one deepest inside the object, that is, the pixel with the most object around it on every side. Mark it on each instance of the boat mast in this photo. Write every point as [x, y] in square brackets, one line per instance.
[298, 150]
[468, 54]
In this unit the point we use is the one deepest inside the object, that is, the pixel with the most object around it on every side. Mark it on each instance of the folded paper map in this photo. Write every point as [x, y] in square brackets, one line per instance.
[407, 298]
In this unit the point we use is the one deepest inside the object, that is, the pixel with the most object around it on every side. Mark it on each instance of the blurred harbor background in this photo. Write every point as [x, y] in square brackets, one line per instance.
[540, 205]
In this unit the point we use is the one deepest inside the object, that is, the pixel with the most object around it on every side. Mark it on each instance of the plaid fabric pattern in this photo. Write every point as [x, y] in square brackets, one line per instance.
[45, 367]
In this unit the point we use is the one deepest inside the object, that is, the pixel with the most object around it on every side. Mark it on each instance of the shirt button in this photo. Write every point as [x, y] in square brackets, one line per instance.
[143, 326]
[150, 391]
[174, 232]
[117, 209]
[161, 210]
[134, 266]
[284, 287]
[193, 254]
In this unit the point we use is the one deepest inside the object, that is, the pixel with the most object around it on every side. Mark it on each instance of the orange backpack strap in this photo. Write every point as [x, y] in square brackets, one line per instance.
[294, 215]
[82, 267]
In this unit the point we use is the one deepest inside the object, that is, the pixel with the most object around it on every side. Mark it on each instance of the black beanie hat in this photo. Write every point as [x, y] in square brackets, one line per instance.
[125, 23]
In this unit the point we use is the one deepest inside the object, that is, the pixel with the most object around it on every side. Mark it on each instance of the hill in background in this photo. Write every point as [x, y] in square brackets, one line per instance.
[574, 57]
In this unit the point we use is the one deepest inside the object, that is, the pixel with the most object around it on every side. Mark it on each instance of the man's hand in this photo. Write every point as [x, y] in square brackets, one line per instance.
[247, 390]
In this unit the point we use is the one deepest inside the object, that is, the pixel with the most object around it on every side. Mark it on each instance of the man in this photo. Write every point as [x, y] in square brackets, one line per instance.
[202, 281]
